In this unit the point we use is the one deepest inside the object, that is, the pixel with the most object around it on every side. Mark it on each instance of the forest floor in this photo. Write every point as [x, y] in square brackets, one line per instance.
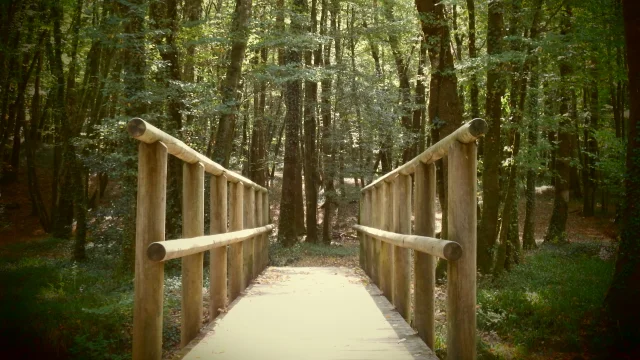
[543, 309]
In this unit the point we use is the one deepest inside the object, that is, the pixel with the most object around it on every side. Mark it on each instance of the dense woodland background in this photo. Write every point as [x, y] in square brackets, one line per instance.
[326, 95]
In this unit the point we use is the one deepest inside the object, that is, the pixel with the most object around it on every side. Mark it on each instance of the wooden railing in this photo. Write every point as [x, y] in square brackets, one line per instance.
[385, 228]
[247, 256]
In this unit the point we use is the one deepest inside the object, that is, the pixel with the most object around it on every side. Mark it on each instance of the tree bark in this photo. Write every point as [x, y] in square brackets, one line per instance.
[624, 294]
[287, 229]
[226, 126]
[492, 144]
[310, 160]
[557, 224]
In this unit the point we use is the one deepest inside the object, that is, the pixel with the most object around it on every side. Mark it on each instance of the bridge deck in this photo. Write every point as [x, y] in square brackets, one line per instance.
[309, 313]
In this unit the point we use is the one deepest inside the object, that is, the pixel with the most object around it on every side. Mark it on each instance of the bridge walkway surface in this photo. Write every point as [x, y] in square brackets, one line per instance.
[309, 313]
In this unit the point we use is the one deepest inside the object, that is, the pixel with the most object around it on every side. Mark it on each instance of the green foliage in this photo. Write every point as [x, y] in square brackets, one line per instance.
[548, 300]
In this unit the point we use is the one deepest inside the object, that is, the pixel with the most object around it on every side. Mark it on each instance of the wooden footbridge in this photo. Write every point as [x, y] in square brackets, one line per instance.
[263, 312]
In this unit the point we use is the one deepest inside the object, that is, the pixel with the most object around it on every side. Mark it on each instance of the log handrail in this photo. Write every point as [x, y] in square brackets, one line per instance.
[145, 132]
[231, 269]
[465, 134]
[385, 232]
[173, 249]
[449, 250]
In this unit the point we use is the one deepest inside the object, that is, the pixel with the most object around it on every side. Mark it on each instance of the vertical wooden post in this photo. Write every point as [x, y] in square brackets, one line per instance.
[218, 260]
[149, 275]
[366, 215]
[192, 226]
[388, 226]
[361, 236]
[247, 245]
[461, 287]
[402, 256]
[424, 264]
[375, 243]
[384, 274]
[235, 250]
[266, 218]
[257, 242]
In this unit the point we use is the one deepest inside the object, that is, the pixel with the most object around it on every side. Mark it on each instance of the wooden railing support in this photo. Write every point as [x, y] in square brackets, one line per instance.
[218, 256]
[386, 250]
[266, 219]
[230, 270]
[424, 264]
[402, 256]
[362, 237]
[236, 267]
[247, 245]
[368, 240]
[461, 275]
[192, 226]
[149, 275]
[257, 241]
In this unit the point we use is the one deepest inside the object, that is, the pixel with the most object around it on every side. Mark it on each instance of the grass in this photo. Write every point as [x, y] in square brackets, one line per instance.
[56, 308]
[547, 302]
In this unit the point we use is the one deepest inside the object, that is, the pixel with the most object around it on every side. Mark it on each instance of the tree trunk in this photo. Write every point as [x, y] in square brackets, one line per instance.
[557, 224]
[445, 112]
[287, 227]
[327, 137]
[227, 124]
[624, 294]
[310, 160]
[473, 80]
[492, 144]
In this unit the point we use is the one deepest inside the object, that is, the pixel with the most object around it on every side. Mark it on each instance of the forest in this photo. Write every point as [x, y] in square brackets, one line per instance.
[314, 100]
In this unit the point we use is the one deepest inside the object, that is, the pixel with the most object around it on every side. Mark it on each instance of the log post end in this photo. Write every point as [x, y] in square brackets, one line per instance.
[452, 251]
[477, 127]
[156, 252]
[136, 127]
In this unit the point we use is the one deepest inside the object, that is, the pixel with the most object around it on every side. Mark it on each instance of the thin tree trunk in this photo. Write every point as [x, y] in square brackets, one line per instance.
[230, 85]
[310, 160]
[557, 224]
[492, 144]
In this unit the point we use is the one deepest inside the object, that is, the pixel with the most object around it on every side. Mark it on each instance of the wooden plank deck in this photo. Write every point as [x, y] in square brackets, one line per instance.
[309, 313]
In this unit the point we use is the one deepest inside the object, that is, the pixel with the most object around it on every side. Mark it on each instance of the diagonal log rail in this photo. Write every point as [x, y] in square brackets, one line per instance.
[385, 227]
[230, 269]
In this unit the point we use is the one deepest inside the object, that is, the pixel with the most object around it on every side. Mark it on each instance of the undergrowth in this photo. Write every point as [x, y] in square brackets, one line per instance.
[546, 303]
[57, 308]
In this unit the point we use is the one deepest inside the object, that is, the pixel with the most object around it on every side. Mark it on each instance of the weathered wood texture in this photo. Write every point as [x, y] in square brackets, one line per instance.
[257, 241]
[461, 275]
[402, 256]
[311, 314]
[362, 237]
[173, 249]
[424, 263]
[467, 133]
[192, 225]
[386, 249]
[218, 260]
[375, 243]
[149, 275]
[266, 217]
[366, 221]
[236, 276]
[445, 249]
[149, 134]
[247, 245]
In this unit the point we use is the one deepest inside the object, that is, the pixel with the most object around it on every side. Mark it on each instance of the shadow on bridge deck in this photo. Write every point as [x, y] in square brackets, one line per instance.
[309, 313]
